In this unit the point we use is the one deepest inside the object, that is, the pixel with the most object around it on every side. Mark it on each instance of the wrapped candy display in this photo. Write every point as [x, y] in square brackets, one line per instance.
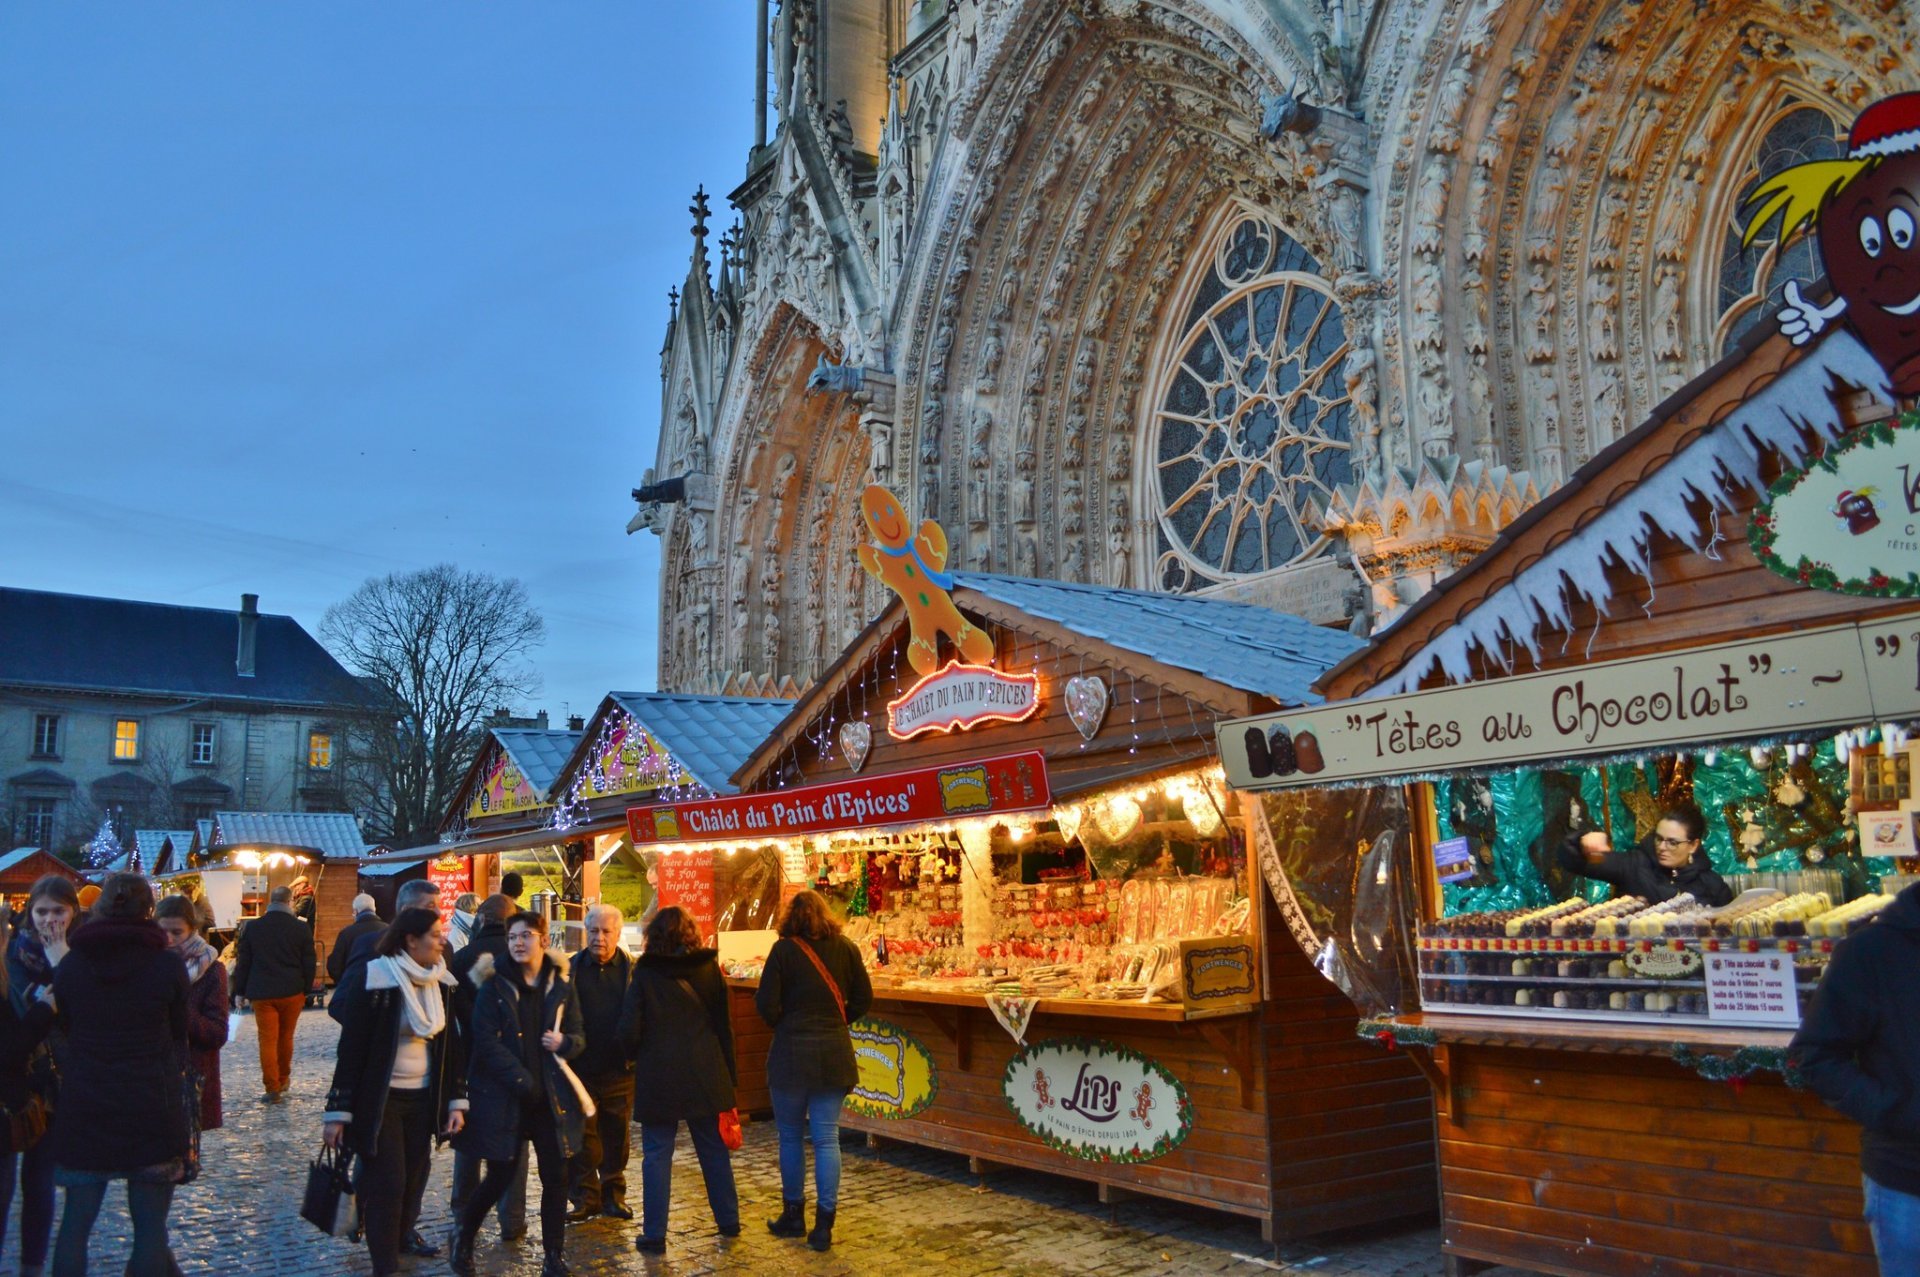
[1626, 958]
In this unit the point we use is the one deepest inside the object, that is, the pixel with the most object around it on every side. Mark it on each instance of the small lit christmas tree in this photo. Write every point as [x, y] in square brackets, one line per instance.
[104, 847]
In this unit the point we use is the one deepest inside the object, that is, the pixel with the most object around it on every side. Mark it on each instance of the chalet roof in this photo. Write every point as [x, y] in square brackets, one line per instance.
[540, 755]
[1251, 648]
[335, 835]
[152, 843]
[122, 645]
[710, 736]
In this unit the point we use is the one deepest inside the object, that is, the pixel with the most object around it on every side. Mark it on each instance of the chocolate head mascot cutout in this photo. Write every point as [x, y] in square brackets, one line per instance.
[1866, 209]
[913, 565]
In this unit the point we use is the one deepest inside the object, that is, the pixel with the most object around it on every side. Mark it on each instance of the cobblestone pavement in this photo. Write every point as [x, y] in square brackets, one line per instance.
[903, 1210]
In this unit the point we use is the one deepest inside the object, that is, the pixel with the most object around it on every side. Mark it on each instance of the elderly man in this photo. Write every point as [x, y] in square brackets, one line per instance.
[274, 971]
[365, 923]
[418, 894]
[600, 975]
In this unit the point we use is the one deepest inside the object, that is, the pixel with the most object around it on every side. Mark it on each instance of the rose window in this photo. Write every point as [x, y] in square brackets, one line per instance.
[1253, 427]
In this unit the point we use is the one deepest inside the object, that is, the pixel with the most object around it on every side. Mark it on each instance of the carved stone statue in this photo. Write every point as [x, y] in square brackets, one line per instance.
[1542, 302]
[1428, 300]
[1120, 455]
[1450, 107]
[1603, 295]
[1677, 209]
[835, 378]
[992, 350]
[1430, 207]
[1669, 341]
[1603, 251]
[1543, 218]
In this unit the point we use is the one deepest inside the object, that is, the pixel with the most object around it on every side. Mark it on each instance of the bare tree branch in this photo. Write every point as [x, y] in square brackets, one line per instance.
[447, 647]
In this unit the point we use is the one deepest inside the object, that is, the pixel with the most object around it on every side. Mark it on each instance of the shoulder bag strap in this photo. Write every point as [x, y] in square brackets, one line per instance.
[832, 985]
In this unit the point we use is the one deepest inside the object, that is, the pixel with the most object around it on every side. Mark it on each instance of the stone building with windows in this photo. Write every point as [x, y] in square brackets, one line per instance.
[1297, 302]
[155, 716]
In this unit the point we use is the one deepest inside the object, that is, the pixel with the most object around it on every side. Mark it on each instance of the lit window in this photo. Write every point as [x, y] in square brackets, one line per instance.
[46, 736]
[126, 739]
[202, 744]
[319, 750]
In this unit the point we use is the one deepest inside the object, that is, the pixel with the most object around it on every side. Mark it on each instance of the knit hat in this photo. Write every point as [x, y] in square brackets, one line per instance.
[1890, 126]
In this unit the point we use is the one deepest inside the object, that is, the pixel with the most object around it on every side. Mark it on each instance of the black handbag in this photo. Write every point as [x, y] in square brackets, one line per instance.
[328, 1203]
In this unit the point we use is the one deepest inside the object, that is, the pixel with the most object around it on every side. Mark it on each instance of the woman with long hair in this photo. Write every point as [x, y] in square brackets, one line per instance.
[33, 952]
[813, 987]
[677, 1026]
[206, 1000]
[22, 1099]
[399, 1077]
[120, 998]
[526, 1026]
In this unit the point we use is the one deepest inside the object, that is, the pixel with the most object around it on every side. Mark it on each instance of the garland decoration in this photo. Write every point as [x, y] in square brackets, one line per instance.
[1393, 1035]
[1735, 1069]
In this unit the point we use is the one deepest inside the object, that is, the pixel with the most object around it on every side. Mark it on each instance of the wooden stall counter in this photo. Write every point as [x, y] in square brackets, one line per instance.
[1609, 1148]
[1275, 1111]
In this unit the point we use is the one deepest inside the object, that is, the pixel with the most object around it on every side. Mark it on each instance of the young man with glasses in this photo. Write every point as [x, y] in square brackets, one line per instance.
[1661, 866]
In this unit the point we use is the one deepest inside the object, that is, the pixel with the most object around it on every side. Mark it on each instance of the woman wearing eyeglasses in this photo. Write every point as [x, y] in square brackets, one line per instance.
[1661, 866]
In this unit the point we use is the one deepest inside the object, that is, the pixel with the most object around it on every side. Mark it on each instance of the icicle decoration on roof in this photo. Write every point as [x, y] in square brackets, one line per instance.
[1715, 468]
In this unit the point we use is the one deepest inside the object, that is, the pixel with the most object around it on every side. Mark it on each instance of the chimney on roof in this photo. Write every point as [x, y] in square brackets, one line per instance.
[575, 723]
[540, 720]
[249, 634]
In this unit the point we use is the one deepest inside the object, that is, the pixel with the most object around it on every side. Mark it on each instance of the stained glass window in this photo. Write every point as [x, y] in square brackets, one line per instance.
[1254, 424]
[1753, 278]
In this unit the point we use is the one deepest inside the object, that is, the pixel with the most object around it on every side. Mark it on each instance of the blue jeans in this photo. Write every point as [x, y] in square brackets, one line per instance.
[148, 1202]
[793, 1113]
[1894, 1218]
[34, 1171]
[656, 1174]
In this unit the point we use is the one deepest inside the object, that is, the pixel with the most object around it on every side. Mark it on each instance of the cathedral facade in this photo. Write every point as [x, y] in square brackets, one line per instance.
[1292, 301]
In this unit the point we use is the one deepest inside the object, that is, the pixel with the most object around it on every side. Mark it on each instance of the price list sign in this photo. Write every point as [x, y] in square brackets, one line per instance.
[687, 880]
[1752, 988]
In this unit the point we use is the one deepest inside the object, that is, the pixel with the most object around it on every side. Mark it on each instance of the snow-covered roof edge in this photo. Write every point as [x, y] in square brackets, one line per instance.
[1723, 462]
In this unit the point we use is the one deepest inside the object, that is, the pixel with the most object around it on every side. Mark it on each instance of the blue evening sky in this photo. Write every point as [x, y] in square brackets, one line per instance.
[296, 294]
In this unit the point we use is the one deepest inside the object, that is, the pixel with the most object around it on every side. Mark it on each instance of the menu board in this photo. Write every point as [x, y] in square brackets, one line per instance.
[453, 875]
[686, 879]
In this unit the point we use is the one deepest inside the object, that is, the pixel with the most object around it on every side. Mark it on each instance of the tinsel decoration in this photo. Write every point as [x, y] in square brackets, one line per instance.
[1742, 1064]
[1395, 1035]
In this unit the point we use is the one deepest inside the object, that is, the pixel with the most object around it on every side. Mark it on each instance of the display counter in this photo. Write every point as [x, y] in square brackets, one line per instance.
[1270, 1109]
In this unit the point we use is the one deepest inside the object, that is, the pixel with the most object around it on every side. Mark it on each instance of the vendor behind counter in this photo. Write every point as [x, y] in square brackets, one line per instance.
[1664, 864]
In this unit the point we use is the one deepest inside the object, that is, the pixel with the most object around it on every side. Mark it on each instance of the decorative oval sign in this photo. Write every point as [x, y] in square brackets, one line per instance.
[897, 1076]
[1098, 1100]
[1849, 522]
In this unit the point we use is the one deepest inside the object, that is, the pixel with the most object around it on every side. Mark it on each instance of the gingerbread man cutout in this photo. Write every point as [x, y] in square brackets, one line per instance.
[914, 570]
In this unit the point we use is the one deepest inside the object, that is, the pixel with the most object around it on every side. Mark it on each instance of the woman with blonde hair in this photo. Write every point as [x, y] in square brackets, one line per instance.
[813, 987]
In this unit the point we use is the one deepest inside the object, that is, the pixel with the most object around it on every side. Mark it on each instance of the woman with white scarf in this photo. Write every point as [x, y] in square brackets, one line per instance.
[207, 1021]
[398, 1080]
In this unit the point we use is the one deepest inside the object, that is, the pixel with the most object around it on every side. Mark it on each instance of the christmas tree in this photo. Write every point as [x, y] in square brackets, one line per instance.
[104, 847]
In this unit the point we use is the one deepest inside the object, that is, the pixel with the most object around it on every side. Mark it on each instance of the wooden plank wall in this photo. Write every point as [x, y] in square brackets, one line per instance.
[1223, 1162]
[1350, 1125]
[1610, 1164]
[751, 1038]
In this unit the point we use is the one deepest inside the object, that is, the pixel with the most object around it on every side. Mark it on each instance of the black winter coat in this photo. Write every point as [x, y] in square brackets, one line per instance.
[1636, 872]
[365, 924]
[500, 1074]
[367, 1004]
[489, 941]
[275, 957]
[812, 1050]
[601, 989]
[1860, 1043]
[20, 1039]
[677, 1025]
[122, 998]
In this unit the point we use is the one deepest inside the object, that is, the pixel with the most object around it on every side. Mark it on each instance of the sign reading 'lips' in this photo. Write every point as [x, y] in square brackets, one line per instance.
[1098, 1100]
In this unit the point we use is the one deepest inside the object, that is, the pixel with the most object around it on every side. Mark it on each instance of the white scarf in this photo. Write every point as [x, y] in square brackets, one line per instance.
[426, 1010]
[198, 955]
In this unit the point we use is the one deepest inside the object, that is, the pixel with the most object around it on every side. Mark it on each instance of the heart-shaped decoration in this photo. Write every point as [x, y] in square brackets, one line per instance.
[1087, 703]
[856, 738]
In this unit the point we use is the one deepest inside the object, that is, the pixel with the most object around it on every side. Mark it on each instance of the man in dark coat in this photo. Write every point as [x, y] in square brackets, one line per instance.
[1860, 1050]
[365, 923]
[1665, 864]
[274, 972]
[601, 973]
[418, 894]
[490, 940]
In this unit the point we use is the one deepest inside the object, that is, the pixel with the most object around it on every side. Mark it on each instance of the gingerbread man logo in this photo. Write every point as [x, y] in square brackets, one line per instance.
[1866, 208]
[913, 567]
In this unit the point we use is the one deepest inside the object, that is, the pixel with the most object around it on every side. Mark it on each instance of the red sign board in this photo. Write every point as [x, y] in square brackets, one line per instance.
[990, 786]
[453, 875]
[687, 881]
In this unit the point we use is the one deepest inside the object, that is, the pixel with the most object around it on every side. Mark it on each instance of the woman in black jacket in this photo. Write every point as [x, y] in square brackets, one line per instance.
[1667, 862]
[526, 1026]
[677, 1025]
[120, 997]
[813, 987]
[399, 1075]
[39, 942]
[21, 1033]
